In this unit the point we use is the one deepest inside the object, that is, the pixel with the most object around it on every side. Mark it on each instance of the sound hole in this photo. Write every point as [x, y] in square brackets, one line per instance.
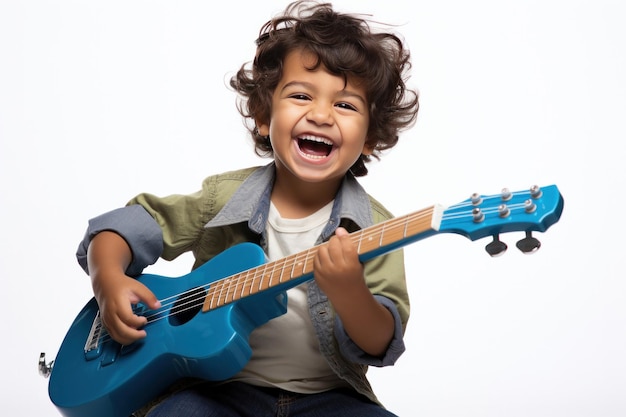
[187, 306]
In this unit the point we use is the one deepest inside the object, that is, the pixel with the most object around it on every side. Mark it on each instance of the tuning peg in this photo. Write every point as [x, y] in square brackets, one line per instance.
[496, 247]
[506, 194]
[529, 244]
[478, 215]
[476, 199]
[535, 192]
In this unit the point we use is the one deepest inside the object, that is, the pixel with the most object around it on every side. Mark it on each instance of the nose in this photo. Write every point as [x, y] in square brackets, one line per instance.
[321, 113]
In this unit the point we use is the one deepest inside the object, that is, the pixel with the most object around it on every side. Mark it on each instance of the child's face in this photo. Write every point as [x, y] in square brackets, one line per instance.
[318, 124]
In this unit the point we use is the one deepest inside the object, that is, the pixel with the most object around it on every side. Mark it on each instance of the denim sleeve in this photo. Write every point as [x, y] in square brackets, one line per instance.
[136, 226]
[353, 353]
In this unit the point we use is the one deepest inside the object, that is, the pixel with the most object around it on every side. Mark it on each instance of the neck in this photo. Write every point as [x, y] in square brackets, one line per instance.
[297, 199]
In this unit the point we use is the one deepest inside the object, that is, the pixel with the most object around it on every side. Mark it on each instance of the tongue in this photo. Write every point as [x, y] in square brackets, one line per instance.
[314, 148]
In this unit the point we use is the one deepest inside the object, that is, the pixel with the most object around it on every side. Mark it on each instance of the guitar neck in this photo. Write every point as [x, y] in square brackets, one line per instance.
[292, 270]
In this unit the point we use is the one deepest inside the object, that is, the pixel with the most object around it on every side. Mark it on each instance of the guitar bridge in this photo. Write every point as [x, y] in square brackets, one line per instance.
[93, 342]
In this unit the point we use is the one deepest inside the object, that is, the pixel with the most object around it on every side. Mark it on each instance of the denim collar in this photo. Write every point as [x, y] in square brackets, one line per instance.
[250, 203]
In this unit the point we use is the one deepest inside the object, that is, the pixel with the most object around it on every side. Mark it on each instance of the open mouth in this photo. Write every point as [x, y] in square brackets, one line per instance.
[314, 146]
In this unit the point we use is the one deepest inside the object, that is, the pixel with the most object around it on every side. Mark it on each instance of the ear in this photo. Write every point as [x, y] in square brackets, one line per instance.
[262, 127]
[368, 148]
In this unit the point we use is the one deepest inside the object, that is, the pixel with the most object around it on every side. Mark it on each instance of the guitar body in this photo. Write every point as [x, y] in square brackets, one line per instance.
[212, 345]
[206, 316]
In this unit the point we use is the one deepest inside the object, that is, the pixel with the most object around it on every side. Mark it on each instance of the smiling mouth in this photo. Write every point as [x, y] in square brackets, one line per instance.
[314, 147]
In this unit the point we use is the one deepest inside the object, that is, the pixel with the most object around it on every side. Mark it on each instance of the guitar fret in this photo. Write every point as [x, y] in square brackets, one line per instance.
[282, 271]
[235, 290]
[262, 278]
[382, 234]
[417, 226]
[267, 277]
[368, 244]
[277, 274]
[292, 269]
[258, 287]
[392, 233]
[406, 225]
[269, 274]
[224, 291]
[220, 292]
[212, 299]
[304, 263]
[283, 262]
[306, 259]
[245, 291]
[232, 288]
[265, 281]
[301, 264]
[250, 283]
[216, 293]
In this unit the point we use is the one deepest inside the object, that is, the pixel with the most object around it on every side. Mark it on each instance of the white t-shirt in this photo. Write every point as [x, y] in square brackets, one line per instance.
[285, 350]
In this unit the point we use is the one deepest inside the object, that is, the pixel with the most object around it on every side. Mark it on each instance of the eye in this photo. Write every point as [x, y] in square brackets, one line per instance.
[347, 106]
[299, 96]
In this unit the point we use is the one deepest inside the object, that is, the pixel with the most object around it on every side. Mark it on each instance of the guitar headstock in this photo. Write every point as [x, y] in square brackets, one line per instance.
[479, 216]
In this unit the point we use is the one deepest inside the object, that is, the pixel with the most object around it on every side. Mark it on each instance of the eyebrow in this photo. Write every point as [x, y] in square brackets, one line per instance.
[342, 93]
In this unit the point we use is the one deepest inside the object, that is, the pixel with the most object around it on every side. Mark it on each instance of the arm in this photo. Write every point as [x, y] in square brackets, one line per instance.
[108, 257]
[340, 275]
[119, 244]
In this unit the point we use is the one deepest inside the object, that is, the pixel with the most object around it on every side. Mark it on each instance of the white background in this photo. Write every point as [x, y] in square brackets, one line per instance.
[102, 100]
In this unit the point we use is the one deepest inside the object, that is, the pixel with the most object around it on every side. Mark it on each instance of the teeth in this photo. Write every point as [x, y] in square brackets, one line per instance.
[317, 139]
[315, 156]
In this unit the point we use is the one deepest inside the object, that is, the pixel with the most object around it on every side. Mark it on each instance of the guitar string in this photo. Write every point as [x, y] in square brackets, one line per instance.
[297, 260]
[184, 302]
[307, 254]
[190, 300]
[374, 231]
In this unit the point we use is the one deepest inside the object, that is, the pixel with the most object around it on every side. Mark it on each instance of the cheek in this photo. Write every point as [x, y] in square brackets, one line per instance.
[357, 132]
[283, 121]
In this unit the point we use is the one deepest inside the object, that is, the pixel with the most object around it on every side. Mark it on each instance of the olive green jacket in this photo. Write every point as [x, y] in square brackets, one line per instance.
[232, 208]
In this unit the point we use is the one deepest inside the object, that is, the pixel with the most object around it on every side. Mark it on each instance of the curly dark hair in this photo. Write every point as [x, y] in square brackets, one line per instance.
[346, 46]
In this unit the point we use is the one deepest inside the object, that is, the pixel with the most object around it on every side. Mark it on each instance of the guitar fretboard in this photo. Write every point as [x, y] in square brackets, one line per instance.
[294, 269]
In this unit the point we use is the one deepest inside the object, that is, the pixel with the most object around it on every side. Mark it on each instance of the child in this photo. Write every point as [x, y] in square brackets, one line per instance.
[324, 95]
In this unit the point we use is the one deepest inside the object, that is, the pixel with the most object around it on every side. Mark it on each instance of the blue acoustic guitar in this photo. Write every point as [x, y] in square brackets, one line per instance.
[202, 327]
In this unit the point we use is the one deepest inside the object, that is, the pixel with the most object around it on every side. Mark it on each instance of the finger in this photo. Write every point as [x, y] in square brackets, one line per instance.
[334, 250]
[127, 335]
[141, 293]
[340, 231]
[121, 332]
[342, 248]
